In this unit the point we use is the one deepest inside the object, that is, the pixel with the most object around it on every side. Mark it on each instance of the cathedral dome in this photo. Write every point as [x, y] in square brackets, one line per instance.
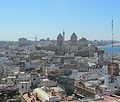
[73, 35]
[83, 42]
[60, 36]
[73, 38]
[83, 39]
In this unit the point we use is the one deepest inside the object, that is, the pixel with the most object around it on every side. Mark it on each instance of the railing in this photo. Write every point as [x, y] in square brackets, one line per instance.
[85, 88]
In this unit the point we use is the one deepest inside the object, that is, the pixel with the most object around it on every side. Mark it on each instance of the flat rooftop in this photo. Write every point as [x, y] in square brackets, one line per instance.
[108, 99]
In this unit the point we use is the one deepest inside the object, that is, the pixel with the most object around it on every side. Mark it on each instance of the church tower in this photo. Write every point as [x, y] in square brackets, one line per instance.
[60, 41]
[63, 35]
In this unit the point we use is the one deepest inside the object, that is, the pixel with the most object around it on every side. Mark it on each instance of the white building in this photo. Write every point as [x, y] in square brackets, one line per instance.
[24, 82]
[24, 86]
[35, 78]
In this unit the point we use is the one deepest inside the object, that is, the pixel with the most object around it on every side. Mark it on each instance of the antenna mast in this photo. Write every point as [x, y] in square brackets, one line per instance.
[112, 39]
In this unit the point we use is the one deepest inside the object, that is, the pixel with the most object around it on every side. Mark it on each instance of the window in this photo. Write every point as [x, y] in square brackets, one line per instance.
[34, 78]
[22, 87]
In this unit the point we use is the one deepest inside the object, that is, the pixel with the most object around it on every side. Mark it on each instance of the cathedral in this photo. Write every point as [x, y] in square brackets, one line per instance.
[81, 47]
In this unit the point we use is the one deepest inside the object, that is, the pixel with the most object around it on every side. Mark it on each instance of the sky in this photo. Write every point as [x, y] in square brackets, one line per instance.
[47, 18]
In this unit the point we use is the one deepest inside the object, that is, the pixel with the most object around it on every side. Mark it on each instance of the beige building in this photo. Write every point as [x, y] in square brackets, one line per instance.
[86, 89]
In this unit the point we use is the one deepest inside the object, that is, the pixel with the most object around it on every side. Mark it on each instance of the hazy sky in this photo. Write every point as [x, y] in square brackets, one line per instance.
[47, 18]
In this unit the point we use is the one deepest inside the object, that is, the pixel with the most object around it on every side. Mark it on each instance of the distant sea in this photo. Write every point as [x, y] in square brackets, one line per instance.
[109, 49]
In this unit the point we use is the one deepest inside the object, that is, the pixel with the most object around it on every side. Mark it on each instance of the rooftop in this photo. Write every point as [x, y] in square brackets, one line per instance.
[29, 99]
[109, 99]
